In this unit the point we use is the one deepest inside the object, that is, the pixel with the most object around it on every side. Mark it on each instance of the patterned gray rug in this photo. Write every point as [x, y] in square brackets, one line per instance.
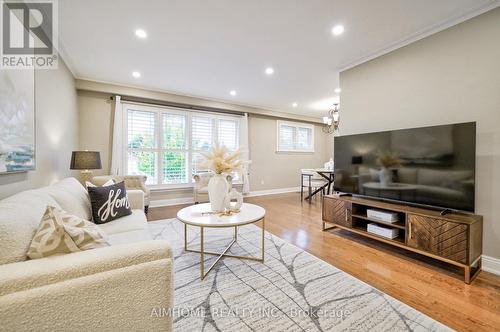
[291, 291]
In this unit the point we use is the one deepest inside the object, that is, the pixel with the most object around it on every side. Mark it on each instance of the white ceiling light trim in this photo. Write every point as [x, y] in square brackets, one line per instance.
[269, 71]
[136, 74]
[232, 93]
[338, 30]
[141, 33]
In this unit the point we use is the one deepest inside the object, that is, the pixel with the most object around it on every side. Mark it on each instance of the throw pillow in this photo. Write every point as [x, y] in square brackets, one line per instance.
[109, 203]
[84, 233]
[107, 183]
[61, 233]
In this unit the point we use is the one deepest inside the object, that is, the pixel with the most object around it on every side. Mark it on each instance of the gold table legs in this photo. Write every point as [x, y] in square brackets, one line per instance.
[224, 253]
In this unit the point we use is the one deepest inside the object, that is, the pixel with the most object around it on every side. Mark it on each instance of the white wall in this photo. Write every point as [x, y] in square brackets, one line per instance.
[450, 77]
[271, 169]
[56, 132]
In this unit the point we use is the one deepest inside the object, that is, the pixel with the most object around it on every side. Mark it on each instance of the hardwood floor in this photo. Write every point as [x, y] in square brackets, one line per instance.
[420, 282]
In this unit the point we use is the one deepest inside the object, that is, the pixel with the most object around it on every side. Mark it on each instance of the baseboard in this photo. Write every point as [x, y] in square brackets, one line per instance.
[190, 200]
[491, 264]
[272, 191]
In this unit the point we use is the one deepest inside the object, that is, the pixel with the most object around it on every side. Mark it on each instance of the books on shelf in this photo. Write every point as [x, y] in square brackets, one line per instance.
[390, 233]
[381, 215]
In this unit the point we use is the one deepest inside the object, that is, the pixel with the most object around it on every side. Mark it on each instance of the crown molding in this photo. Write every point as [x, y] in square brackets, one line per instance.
[163, 95]
[433, 29]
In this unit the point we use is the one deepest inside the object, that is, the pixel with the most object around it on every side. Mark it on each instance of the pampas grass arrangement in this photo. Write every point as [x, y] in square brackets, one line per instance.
[220, 160]
[388, 159]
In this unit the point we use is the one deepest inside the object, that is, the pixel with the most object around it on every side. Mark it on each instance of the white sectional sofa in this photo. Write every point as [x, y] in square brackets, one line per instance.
[107, 289]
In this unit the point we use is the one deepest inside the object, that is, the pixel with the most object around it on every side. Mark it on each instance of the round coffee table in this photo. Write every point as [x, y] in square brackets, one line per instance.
[200, 215]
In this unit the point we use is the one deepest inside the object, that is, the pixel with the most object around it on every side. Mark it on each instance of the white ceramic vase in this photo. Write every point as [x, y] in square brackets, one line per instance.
[233, 206]
[385, 177]
[217, 191]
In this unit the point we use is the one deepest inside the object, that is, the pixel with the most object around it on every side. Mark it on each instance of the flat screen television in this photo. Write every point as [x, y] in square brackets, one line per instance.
[429, 166]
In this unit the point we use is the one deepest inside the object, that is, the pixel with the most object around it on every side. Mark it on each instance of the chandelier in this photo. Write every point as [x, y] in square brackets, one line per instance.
[332, 121]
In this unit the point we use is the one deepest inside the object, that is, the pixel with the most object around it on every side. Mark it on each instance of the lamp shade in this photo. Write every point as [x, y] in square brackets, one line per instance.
[356, 160]
[85, 160]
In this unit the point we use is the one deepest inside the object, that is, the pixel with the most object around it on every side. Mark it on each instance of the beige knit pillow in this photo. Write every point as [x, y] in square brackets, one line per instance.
[62, 233]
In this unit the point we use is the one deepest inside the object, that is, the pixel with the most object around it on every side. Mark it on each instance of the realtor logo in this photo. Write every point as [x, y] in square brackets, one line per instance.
[29, 34]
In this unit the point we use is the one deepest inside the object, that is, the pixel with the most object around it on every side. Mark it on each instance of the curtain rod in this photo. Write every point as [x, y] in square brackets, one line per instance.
[178, 105]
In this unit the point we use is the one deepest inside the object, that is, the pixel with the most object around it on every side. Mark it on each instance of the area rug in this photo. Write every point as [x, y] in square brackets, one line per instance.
[291, 291]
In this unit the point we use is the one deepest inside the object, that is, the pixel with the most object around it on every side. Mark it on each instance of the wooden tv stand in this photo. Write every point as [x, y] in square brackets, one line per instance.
[453, 238]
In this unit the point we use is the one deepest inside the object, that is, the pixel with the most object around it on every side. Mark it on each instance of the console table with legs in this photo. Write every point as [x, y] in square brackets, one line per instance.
[454, 238]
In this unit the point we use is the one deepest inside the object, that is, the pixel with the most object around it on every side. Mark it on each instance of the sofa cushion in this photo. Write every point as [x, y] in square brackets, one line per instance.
[129, 237]
[109, 203]
[19, 219]
[133, 222]
[72, 197]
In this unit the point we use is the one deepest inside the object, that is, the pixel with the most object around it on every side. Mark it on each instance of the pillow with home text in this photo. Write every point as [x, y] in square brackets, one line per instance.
[109, 203]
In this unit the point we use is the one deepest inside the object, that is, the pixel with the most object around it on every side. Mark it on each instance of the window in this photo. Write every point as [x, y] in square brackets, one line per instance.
[166, 143]
[295, 137]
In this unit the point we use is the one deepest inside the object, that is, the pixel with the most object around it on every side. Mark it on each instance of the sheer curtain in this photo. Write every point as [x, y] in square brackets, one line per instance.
[245, 153]
[117, 150]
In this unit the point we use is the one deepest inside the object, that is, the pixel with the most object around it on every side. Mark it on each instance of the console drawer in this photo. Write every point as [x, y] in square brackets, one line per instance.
[437, 236]
[337, 212]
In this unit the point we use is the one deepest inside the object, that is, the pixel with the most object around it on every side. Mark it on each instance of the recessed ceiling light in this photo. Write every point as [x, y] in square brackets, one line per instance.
[269, 71]
[295, 105]
[338, 30]
[338, 90]
[232, 93]
[136, 74]
[141, 33]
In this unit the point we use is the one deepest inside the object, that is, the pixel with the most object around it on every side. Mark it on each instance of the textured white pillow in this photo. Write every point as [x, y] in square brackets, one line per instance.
[72, 197]
[90, 184]
[20, 217]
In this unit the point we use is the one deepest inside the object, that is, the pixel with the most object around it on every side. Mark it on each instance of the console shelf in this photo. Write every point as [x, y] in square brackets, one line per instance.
[453, 238]
[398, 224]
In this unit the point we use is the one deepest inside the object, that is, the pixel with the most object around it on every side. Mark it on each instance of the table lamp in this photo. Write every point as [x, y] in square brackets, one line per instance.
[85, 161]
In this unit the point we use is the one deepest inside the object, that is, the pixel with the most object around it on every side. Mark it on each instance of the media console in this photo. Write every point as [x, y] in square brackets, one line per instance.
[452, 238]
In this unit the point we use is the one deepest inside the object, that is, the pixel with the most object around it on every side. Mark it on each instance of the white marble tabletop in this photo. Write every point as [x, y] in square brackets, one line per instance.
[197, 215]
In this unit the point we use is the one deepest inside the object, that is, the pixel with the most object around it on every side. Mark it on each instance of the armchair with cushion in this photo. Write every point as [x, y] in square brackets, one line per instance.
[132, 182]
[200, 189]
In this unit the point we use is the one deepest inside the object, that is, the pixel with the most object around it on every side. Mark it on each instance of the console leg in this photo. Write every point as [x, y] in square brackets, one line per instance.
[467, 275]
[327, 228]
[473, 272]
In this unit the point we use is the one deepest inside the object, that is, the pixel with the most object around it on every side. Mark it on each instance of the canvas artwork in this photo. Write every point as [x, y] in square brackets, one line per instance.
[17, 121]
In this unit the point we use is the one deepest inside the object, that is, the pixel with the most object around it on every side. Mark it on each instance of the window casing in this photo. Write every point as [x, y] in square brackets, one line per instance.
[294, 137]
[165, 143]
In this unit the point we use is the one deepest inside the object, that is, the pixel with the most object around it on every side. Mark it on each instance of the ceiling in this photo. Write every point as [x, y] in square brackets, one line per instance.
[206, 48]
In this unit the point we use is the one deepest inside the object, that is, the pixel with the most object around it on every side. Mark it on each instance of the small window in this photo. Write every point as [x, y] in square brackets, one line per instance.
[295, 137]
